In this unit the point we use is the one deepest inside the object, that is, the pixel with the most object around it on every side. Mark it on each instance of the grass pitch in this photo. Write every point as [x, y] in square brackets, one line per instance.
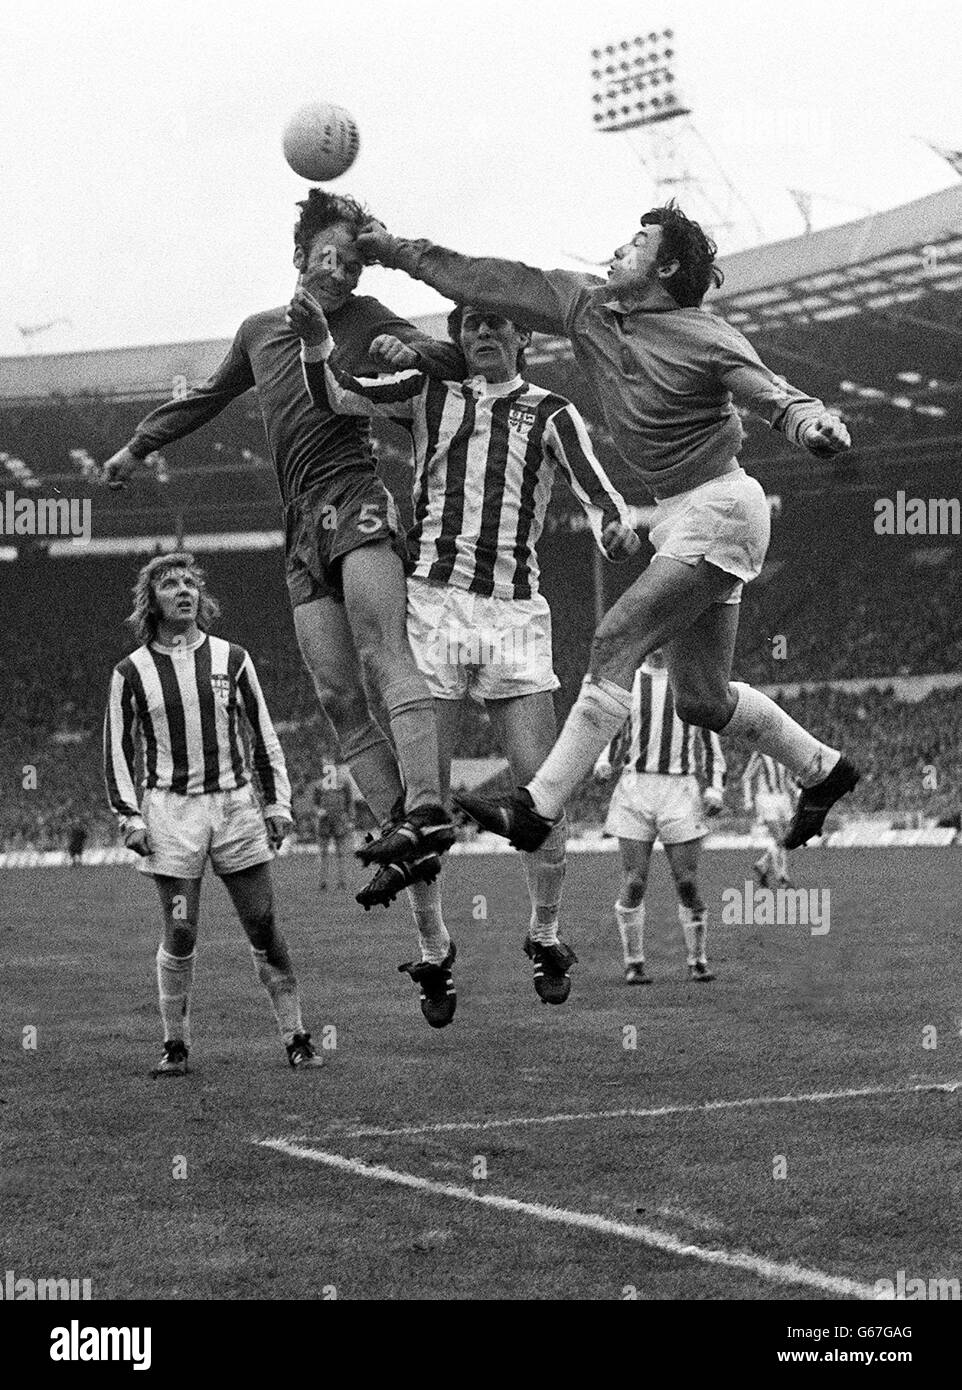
[165, 1189]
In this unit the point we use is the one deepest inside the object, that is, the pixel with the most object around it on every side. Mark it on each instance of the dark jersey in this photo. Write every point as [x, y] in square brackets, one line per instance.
[308, 445]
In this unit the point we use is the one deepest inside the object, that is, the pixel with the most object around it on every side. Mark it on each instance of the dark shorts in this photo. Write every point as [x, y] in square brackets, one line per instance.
[333, 825]
[328, 521]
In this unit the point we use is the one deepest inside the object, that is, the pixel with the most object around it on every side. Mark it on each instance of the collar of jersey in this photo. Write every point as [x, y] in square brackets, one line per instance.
[616, 306]
[481, 387]
[180, 648]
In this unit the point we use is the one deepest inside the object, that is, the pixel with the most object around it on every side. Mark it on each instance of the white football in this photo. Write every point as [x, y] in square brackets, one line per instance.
[321, 141]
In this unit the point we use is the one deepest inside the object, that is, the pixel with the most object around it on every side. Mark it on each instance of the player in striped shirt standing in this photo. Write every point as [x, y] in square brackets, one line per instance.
[345, 577]
[185, 698]
[769, 791]
[486, 454]
[666, 375]
[658, 797]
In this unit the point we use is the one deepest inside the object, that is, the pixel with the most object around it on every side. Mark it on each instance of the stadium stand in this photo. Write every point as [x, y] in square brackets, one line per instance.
[866, 315]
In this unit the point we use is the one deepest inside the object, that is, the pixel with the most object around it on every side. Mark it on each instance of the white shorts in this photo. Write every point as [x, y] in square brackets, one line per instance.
[652, 806]
[773, 807]
[185, 831]
[489, 648]
[725, 521]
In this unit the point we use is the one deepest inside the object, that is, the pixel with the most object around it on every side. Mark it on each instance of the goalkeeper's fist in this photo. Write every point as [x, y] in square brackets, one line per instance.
[825, 436]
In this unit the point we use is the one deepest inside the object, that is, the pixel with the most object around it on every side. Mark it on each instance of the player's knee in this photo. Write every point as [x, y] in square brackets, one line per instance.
[608, 649]
[633, 889]
[687, 886]
[343, 703]
[180, 938]
[702, 711]
[260, 928]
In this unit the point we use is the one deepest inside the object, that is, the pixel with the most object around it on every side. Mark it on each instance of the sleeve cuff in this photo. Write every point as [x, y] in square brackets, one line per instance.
[317, 352]
[282, 812]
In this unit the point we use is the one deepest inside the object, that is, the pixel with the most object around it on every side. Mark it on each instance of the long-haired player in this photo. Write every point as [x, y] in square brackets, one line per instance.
[180, 703]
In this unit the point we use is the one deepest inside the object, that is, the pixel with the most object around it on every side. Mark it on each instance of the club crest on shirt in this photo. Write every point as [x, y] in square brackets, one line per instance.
[521, 418]
[221, 688]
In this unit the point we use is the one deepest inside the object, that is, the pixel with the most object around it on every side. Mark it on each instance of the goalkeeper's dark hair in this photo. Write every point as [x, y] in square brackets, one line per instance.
[683, 240]
[320, 210]
[145, 616]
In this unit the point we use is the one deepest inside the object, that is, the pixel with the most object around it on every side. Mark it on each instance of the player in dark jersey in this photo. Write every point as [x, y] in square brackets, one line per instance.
[345, 574]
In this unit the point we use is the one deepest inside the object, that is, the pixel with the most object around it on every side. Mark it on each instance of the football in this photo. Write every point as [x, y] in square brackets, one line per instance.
[321, 141]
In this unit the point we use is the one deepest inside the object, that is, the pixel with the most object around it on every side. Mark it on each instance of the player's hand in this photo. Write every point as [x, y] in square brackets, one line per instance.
[373, 241]
[391, 355]
[278, 829]
[135, 838]
[602, 770]
[620, 541]
[826, 436]
[307, 319]
[121, 466]
[713, 802]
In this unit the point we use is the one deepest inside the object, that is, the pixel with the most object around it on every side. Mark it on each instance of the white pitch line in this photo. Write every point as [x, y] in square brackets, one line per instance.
[829, 1284]
[461, 1126]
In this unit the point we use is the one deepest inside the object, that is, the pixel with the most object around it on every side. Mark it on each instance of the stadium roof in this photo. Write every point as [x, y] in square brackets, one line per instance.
[881, 262]
[132, 373]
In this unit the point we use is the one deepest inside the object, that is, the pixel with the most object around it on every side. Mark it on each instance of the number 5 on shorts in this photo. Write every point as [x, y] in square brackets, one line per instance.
[370, 519]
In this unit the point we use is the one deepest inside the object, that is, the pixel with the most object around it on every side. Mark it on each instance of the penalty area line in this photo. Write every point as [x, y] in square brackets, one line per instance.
[829, 1284]
[656, 1112]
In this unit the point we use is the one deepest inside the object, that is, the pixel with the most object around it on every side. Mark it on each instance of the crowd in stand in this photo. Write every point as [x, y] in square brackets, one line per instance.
[839, 616]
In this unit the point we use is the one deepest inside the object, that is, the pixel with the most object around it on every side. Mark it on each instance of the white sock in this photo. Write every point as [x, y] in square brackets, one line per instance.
[545, 872]
[759, 723]
[175, 976]
[596, 716]
[425, 899]
[631, 928]
[695, 928]
[283, 993]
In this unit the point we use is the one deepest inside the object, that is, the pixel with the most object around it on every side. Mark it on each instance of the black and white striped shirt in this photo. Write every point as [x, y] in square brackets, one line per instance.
[190, 707]
[485, 459]
[764, 776]
[654, 739]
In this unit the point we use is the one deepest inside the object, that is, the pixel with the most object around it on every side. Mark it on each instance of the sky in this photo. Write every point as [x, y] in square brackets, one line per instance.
[146, 199]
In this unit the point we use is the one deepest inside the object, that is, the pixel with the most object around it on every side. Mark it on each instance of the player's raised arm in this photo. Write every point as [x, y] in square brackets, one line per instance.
[268, 755]
[566, 438]
[396, 345]
[802, 419]
[543, 300]
[392, 396]
[176, 418]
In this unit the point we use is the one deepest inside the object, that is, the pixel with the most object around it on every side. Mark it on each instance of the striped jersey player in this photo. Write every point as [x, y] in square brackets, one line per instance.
[768, 790]
[187, 708]
[486, 455]
[345, 581]
[661, 760]
[191, 704]
[487, 450]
